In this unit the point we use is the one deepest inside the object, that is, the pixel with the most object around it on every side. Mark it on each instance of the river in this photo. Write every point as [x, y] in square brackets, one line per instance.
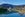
[11, 15]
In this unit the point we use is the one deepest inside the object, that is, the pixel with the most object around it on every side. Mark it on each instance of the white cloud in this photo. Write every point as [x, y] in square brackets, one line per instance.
[4, 2]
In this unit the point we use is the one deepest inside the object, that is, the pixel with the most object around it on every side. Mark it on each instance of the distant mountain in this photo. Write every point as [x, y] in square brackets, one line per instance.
[10, 5]
[7, 5]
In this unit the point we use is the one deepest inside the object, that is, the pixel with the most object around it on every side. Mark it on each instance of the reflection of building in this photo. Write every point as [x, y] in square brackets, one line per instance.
[19, 9]
[9, 9]
[23, 10]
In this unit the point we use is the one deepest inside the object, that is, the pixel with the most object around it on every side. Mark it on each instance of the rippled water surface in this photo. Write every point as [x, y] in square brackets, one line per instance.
[11, 15]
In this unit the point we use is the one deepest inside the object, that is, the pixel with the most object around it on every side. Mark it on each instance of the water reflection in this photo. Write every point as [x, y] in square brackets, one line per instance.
[12, 15]
[9, 11]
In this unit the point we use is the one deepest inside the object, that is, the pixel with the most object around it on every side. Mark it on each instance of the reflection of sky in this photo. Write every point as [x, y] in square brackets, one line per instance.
[13, 1]
[12, 15]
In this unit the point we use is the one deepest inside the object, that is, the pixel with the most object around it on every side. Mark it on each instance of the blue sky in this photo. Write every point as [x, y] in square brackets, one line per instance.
[14, 2]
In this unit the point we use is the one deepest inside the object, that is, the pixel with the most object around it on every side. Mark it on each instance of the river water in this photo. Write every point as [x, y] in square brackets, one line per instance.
[11, 15]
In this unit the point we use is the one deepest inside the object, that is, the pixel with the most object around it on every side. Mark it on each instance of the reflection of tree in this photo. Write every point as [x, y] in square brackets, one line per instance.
[3, 10]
